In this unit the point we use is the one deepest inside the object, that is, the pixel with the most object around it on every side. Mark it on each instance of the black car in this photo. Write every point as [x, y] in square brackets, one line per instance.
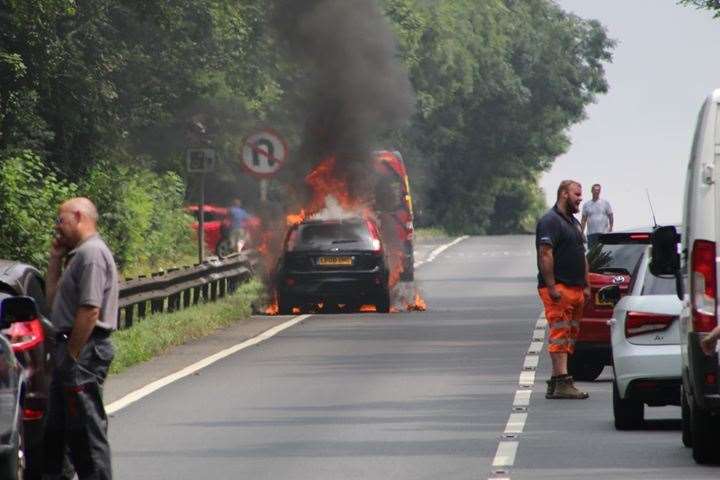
[12, 456]
[32, 341]
[333, 262]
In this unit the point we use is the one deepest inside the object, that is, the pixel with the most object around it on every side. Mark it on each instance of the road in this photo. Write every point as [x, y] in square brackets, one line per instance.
[401, 396]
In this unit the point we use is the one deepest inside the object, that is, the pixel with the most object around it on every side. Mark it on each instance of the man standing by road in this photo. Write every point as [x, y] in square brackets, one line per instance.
[562, 284]
[84, 298]
[238, 218]
[597, 215]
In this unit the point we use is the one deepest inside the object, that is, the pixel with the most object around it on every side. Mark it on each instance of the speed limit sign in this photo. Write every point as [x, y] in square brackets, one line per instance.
[263, 153]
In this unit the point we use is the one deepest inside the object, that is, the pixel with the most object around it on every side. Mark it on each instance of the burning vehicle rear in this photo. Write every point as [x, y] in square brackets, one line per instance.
[333, 262]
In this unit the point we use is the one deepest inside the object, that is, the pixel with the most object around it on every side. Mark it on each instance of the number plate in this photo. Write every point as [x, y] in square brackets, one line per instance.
[335, 261]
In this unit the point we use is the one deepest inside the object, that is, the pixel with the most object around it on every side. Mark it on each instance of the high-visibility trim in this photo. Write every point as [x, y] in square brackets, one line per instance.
[562, 324]
[560, 341]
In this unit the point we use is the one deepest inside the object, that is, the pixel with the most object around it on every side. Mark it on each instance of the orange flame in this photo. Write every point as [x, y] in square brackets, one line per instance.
[418, 305]
[368, 308]
[273, 308]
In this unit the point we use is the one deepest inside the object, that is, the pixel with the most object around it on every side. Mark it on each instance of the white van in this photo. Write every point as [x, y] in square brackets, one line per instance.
[700, 239]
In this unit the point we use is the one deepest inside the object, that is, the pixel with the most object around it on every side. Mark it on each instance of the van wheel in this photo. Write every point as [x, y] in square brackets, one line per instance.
[685, 408]
[584, 370]
[705, 435]
[629, 413]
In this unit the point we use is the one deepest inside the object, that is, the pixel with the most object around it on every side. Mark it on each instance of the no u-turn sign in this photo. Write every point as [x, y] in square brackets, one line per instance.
[263, 153]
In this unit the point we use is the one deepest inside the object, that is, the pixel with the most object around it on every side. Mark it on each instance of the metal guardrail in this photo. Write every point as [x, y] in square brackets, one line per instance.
[179, 288]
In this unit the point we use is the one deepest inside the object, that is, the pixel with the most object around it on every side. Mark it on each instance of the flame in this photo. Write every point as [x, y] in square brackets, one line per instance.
[418, 305]
[368, 309]
[273, 308]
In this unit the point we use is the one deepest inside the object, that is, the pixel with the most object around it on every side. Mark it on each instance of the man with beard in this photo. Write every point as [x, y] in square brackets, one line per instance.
[562, 284]
[82, 286]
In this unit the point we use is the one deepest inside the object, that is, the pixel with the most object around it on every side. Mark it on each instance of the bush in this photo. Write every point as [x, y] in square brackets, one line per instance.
[30, 193]
[141, 214]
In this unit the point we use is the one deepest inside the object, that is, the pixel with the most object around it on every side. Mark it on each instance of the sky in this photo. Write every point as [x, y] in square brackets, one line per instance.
[638, 136]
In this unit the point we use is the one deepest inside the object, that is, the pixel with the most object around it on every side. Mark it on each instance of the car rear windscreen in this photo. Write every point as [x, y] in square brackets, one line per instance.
[653, 285]
[606, 258]
[342, 236]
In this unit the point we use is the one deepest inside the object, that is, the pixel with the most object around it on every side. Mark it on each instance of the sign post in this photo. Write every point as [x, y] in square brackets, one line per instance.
[202, 161]
[263, 154]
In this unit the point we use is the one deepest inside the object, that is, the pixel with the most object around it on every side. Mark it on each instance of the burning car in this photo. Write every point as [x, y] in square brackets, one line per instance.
[333, 262]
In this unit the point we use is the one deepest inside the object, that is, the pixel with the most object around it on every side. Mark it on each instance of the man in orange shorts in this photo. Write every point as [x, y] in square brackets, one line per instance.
[562, 284]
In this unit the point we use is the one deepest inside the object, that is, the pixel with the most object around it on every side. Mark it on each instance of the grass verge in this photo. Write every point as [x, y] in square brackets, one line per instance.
[432, 233]
[155, 334]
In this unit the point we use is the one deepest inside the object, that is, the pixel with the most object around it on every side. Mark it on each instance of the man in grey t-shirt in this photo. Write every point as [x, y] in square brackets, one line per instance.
[597, 215]
[84, 298]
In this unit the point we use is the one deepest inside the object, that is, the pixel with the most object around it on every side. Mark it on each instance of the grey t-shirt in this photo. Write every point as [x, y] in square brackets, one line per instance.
[90, 279]
[597, 214]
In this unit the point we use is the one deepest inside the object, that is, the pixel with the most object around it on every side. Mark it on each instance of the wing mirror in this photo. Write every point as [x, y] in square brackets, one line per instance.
[609, 295]
[17, 309]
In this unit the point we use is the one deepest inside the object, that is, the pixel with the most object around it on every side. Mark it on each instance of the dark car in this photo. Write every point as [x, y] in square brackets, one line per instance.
[610, 264]
[333, 262]
[32, 342]
[12, 456]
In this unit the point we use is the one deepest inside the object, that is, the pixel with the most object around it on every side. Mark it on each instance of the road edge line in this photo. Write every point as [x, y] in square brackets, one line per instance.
[434, 254]
[152, 387]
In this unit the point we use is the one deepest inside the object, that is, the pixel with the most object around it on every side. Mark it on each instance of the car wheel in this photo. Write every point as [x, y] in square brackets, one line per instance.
[628, 413]
[286, 305]
[382, 305]
[685, 408]
[705, 436]
[12, 466]
[584, 370]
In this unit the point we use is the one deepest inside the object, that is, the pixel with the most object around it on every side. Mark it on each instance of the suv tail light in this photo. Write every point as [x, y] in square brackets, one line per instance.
[637, 323]
[374, 236]
[25, 336]
[703, 282]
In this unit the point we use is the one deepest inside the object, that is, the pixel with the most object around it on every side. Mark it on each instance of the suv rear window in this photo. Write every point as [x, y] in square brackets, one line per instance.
[657, 285]
[340, 235]
[614, 258]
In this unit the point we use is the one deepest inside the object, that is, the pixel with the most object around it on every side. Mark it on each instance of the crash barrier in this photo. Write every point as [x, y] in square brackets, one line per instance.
[178, 288]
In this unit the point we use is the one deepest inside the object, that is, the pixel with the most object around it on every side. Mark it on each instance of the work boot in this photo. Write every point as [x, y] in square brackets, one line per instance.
[565, 389]
[550, 387]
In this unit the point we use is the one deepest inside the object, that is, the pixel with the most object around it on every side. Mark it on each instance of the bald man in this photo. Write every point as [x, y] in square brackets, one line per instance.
[82, 286]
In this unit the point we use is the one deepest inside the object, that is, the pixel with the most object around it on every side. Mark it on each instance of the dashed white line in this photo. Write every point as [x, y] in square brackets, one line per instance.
[516, 423]
[505, 455]
[531, 362]
[143, 392]
[522, 398]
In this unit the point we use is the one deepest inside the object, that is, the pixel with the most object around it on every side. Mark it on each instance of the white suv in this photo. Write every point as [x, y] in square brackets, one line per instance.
[645, 343]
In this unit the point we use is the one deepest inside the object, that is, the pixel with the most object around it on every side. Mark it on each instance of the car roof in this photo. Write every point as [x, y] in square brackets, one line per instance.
[12, 273]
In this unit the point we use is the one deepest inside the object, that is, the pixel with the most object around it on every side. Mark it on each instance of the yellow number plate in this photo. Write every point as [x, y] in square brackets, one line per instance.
[335, 261]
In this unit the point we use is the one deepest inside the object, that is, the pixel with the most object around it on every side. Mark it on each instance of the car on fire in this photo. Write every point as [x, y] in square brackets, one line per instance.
[333, 262]
[610, 265]
[31, 340]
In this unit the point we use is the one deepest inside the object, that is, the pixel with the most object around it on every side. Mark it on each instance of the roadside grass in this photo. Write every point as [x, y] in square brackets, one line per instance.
[431, 233]
[157, 333]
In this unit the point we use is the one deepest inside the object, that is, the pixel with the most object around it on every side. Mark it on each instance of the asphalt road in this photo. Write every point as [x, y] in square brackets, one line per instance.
[399, 396]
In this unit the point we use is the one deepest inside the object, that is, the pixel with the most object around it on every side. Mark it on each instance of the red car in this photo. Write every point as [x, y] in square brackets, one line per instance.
[609, 265]
[214, 218]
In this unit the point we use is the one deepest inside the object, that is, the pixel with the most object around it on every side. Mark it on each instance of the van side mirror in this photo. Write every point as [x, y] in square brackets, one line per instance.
[664, 256]
[609, 295]
[17, 309]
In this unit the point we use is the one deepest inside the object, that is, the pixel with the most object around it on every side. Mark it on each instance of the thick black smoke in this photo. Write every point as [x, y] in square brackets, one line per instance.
[353, 86]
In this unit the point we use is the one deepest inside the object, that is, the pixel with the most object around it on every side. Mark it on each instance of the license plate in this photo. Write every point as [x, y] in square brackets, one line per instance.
[335, 261]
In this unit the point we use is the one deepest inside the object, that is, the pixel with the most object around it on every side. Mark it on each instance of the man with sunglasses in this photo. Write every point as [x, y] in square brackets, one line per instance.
[82, 286]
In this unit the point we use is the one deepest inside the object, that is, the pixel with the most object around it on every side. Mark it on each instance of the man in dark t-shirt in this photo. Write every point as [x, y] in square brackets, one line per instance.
[562, 283]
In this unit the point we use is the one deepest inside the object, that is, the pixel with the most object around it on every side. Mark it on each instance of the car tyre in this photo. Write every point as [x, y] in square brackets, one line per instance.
[286, 305]
[382, 305]
[685, 408]
[584, 370]
[705, 436]
[628, 413]
[12, 466]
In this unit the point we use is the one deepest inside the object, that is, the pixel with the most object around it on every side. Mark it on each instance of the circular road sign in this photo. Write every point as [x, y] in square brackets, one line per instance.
[263, 153]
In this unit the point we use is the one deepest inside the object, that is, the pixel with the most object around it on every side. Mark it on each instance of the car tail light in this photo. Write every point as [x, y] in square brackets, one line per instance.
[637, 323]
[703, 281]
[376, 245]
[30, 414]
[25, 336]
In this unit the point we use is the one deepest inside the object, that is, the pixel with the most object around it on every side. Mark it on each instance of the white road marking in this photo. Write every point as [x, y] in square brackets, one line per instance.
[508, 445]
[505, 455]
[143, 392]
[516, 423]
[522, 398]
[433, 255]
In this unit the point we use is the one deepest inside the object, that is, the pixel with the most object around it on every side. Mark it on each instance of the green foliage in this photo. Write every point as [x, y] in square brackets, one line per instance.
[30, 194]
[141, 214]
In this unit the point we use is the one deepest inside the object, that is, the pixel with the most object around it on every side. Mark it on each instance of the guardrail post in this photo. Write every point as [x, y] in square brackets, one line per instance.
[142, 306]
[222, 287]
[213, 290]
[128, 316]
